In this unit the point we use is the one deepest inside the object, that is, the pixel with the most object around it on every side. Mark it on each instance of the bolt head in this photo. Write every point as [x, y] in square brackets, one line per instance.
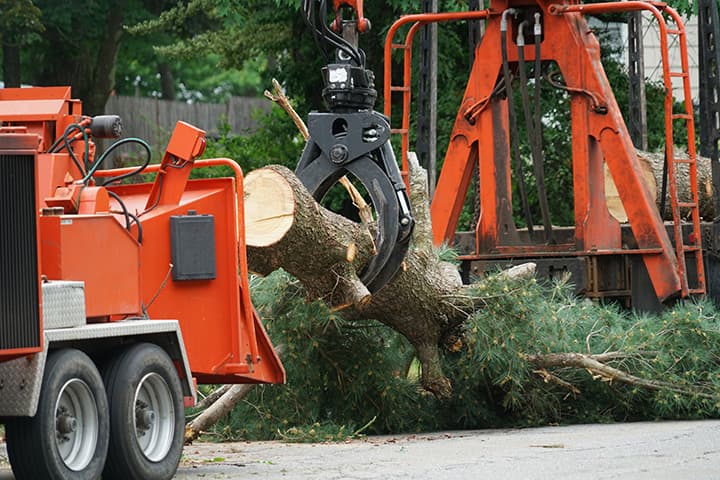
[338, 154]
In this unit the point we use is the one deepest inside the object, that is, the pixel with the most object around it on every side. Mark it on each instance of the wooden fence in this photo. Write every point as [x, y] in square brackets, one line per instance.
[153, 120]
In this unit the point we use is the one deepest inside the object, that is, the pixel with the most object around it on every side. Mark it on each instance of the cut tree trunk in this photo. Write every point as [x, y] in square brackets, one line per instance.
[219, 408]
[652, 168]
[426, 301]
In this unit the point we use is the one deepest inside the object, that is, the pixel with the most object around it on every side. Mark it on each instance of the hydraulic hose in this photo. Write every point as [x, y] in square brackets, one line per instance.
[125, 211]
[538, 74]
[515, 149]
[532, 126]
[128, 215]
[54, 148]
[114, 146]
[538, 122]
[663, 192]
[64, 142]
[139, 227]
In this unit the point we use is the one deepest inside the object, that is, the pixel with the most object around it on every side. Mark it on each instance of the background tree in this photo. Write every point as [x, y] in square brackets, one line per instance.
[19, 27]
[235, 47]
[77, 43]
[79, 48]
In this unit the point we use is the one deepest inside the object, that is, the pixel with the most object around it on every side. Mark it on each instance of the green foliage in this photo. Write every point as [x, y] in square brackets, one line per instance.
[277, 141]
[526, 319]
[175, 17]
[234, 44]
[684, 7]
[678, 348]
[345, 377]
[342, 376]
[20, 22]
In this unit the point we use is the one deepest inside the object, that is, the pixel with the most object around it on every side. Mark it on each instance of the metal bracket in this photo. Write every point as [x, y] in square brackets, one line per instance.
[345, 137]
[637, 118]
[709, 40]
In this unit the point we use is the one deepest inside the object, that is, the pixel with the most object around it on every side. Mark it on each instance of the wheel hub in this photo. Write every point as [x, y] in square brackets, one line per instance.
[65, 423]
[154, 417]
[144, 418]
[76, 424]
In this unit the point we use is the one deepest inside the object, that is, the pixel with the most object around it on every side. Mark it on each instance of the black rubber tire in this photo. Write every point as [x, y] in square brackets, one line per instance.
[32, 443]
[122, 376]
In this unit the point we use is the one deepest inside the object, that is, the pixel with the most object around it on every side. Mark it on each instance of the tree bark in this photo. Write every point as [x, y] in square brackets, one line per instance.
[652, 168]
[11, 65]
[221, 407]
[167, 82]
[86, 60]
[104, 74]
[426, 301]
[213, 397]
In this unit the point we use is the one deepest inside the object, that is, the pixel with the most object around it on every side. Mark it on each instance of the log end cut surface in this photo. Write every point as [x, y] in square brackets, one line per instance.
[269, 207]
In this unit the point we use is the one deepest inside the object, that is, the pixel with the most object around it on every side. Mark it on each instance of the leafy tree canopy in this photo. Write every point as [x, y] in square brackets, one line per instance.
[251, 41]
[20, 22]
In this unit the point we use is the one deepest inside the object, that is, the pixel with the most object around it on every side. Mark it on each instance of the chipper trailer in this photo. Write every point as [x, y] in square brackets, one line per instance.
[116, 298]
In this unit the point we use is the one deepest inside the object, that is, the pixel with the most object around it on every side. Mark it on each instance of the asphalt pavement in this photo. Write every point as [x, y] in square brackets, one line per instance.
[645, 450]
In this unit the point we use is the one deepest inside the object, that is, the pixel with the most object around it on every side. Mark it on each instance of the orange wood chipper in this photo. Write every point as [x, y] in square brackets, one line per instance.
[115, 298]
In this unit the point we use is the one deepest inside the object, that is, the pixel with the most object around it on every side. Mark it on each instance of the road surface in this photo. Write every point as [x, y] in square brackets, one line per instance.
[647, 450]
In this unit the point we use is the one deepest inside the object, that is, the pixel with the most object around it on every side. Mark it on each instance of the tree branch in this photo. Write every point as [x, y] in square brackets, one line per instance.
[605, 372]
[552, 378]
[212, 397]
[216, 411]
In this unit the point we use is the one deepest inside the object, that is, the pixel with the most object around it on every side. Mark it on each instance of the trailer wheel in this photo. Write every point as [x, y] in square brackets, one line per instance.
[146, 415]
[68, 436]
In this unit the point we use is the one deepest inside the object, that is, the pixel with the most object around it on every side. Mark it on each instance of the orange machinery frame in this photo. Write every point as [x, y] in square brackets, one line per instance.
[82, 237]
[480, 137]
[25, 145]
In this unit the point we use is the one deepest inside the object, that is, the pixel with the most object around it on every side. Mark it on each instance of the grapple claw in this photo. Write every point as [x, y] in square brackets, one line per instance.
[358, 143]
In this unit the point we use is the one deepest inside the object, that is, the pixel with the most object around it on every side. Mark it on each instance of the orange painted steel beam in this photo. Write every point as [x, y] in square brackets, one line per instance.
[657, 9]
[480, 135]
[417, 21]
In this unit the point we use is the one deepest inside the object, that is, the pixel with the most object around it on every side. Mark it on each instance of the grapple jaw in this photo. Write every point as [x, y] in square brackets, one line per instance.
[357, 143]
[354, 139]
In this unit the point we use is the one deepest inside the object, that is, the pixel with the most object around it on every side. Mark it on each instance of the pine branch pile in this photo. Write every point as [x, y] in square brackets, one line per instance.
[533, 354]
[542, 355]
